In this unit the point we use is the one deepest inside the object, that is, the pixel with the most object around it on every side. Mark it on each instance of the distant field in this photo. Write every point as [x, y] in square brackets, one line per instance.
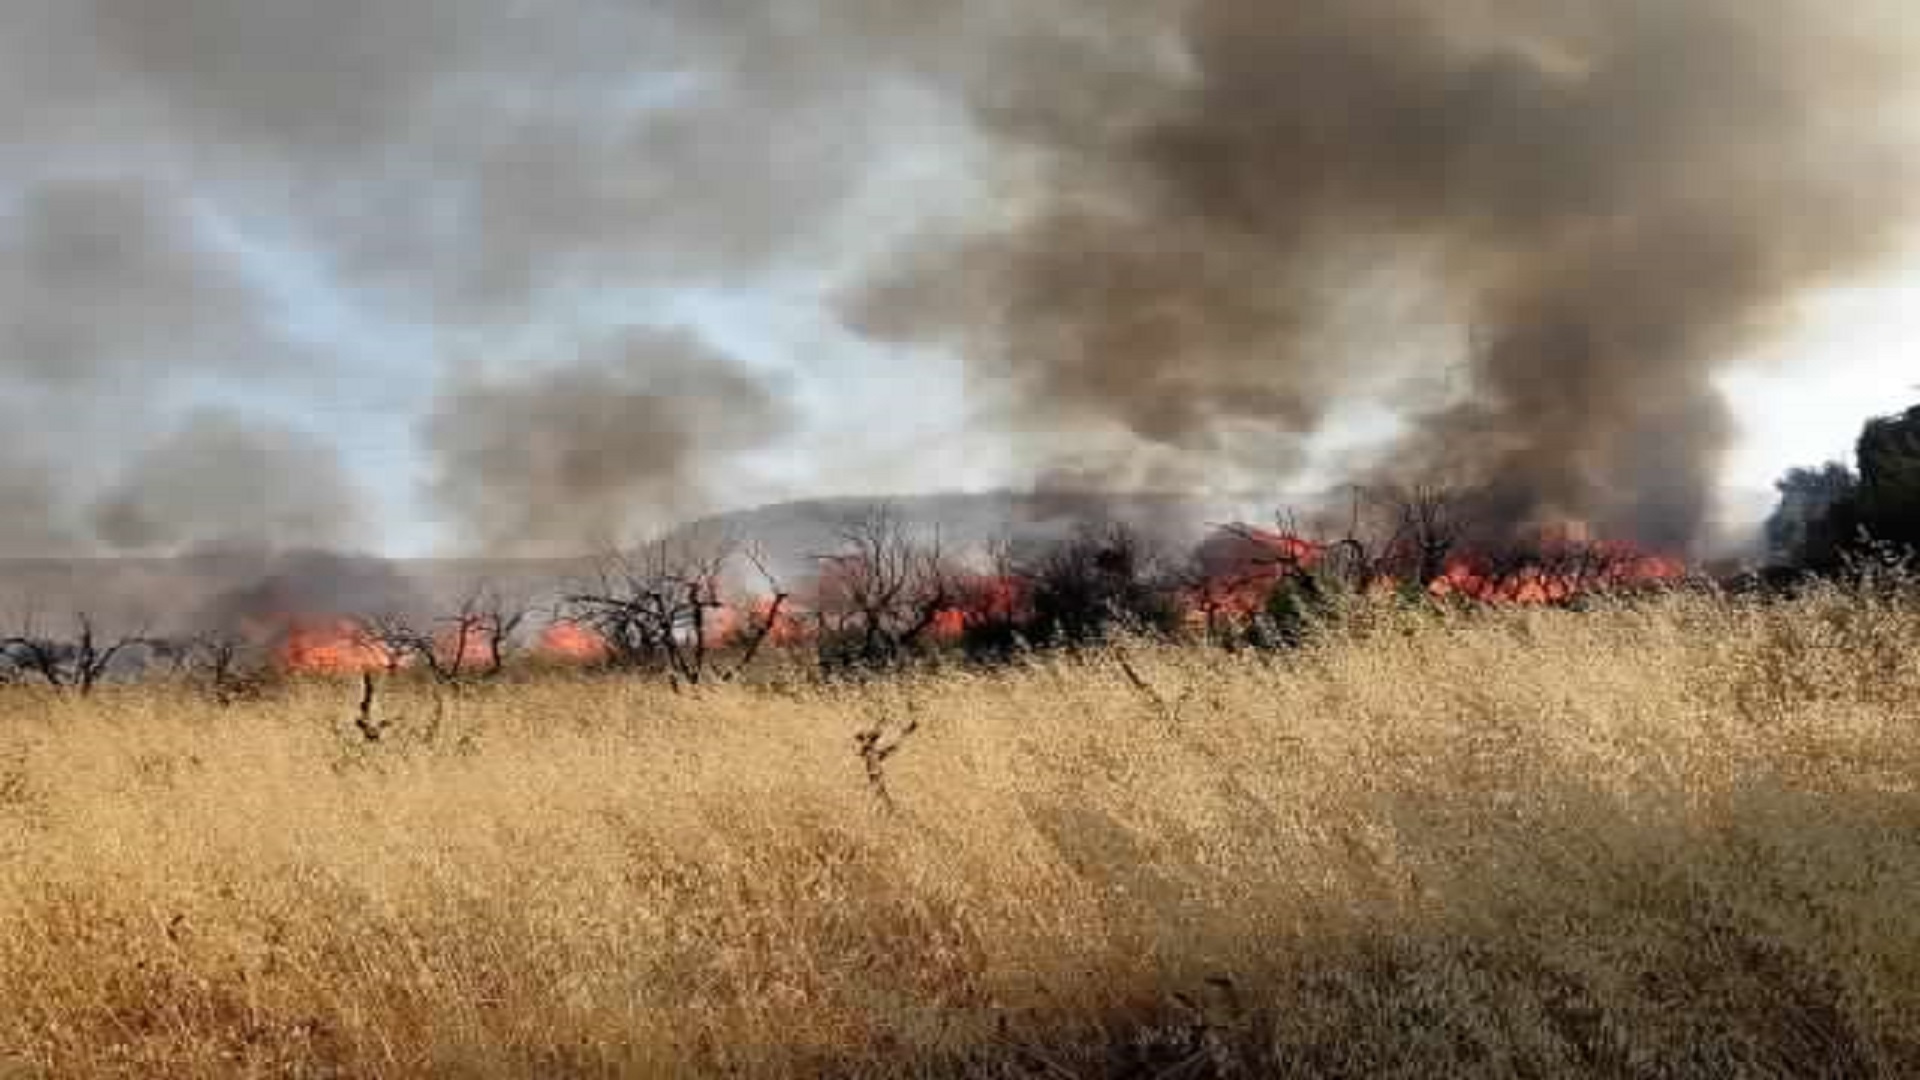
[1681, 839]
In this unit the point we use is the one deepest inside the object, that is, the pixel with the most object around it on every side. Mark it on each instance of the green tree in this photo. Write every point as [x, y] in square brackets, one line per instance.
[1889, 491]
[1813, 521]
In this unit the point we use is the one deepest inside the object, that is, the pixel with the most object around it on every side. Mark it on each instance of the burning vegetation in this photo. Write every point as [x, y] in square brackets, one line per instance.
[1190, 231]
[1191, 236]
[333, 647]
[888, 594]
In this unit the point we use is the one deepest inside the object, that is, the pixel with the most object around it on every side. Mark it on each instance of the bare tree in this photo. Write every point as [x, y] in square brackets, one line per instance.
[79, 663]
[494, 621]
[1375, 546]
[884, 589]
[1230, 578]
[222, 663]
[473, 643]
[662, 609]
[1429, 522]
[1296, 576]
[1397, 535]
[765, 620]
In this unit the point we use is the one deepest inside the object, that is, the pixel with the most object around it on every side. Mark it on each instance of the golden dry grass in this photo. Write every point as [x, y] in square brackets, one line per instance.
[1682, 840]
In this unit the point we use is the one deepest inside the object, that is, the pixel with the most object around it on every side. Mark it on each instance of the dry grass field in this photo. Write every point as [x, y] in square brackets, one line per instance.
[1678, 839]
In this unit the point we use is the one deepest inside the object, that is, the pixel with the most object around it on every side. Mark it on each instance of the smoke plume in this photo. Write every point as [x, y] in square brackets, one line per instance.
[280, 490]
[111, 306]
[635, 435]
[256, 592]
[1617, 196]
[185, 174]
[1178, 238]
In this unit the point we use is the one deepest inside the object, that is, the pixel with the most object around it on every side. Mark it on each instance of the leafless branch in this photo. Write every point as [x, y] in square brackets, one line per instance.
[876, 746]
[218, 661]
[654, 608]
[79, 664]
[884, 589]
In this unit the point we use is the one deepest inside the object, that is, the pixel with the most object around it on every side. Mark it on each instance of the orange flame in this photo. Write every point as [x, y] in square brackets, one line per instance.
[1240, 569]
[787, 629]
[1242, 566]
[467, 645]
[332, 647]
[1600, 567]
[570, 642]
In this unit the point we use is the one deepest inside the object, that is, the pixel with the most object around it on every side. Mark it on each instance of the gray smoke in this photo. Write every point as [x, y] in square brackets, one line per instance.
[277, 490]
[110, 307]
[469, 168]
[102, 275]
[258, 593]
[482, 156]
[475, 170]
[634, 436]
[1616, 195]
[1187, 209]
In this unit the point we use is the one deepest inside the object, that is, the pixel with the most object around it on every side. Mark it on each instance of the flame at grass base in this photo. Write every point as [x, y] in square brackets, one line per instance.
[331, 647]
[1239, 570]
[569, 642]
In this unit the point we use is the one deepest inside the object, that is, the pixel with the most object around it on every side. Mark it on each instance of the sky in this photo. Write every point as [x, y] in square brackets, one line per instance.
[437, 275]
[1802, 400]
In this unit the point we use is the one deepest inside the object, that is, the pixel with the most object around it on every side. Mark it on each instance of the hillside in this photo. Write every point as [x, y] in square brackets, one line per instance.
[163, 595]
[792, 533]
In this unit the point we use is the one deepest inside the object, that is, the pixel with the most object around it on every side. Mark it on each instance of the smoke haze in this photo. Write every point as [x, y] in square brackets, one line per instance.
[1185, 240]
[1617, 197]
[632, 438]
[281, 489]
[477, 169]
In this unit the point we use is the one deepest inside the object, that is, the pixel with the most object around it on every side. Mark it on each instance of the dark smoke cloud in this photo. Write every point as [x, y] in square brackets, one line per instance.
[256, 592]
[468, 167]
[636, 435]
[28, 524]
[104, 281]
[112, 306]
[483, 156]
[1618, 195]
[277, 489]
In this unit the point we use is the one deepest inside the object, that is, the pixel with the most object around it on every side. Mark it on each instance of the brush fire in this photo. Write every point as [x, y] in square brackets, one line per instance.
[332, 647]
[1236, 573]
